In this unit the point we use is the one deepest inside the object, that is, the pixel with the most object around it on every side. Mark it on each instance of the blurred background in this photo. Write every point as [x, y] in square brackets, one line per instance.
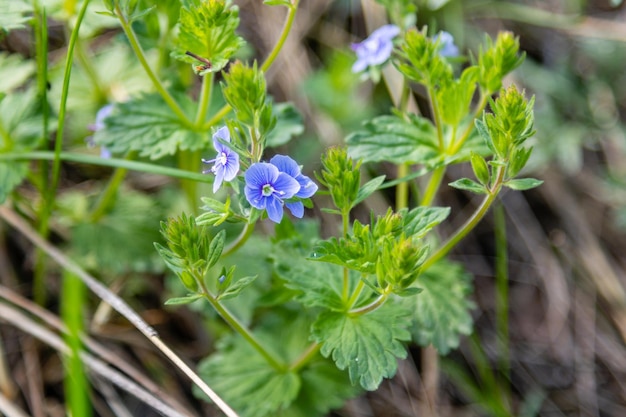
[567, 238]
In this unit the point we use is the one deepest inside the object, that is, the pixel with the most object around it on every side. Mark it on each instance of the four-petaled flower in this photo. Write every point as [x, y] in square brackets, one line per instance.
[307, 187]
[447, 48]
[226, 162]
[376, 49]
[267, 188]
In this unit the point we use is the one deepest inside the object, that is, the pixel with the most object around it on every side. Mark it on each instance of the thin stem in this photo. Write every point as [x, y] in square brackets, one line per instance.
[240, 241]
[356, 293]
[93, 76]
[469, 224]
[114, 301]
[108, 162]
[371, 306]
[434, 106]
[402, 190]
[306, 357]
[502, 293]
[291, 14]
[141, 56]
[433, 186]
[107, 198]
[240, 328]
[205, 98]
[345, 219]
[190, 162]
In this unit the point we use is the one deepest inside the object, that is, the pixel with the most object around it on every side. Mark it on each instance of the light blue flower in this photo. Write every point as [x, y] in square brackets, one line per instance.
[226, 162]
[267, 188]
[307, 187]
[447, 48]
[376, 49]
[103, 113]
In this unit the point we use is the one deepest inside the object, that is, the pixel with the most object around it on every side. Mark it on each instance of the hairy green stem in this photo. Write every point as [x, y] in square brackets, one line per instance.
[109, 162]
[469, 224]
[240, 328]
[433, 186]
[205, 99]
[305, 357]
[141, 56]
[291, 14]
[240, 241]
[345, 219]
[374, 305]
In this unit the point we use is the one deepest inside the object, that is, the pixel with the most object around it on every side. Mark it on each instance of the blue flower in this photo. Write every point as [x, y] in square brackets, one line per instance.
[103, 113]
[447, 48]
[226, 162]
[307, 187]
[267, 187]
[376, 49]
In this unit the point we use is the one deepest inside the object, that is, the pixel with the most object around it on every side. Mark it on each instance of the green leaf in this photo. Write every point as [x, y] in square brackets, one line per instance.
[216, 247]
[147, 125]
[11, 175]
[393, 139]
[421, 220]
[469, 185]
[522, 184]
[288, 124]
[480, 168]
[15, 13]
[207, 29]
[278, 3]
[234, 290]
[367, 345]
[183, 300]
[442, 310]
[14, 71]
[368, 189]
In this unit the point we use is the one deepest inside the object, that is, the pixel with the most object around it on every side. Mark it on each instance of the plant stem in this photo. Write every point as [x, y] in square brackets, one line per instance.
[240, 328]
[355, 294]
[434, 106]
[402, 189]
[107, 198]
[190, 161]
[469, 224]
[345, 219]
[240, 241]
[433, 186]
[87, 65]
[371, 306]
[306, 357]
[291, 14]
[205, 98]
[502, 294]
[457, 144]
[141, 56]
[110, 162]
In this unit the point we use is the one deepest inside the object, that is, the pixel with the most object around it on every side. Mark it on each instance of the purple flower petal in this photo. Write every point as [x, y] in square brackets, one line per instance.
[226, 162]
[376, 49]
[447, 48]
[296, 208]
[307, 187]
[286, 164]
[285, 186]
[274, 209]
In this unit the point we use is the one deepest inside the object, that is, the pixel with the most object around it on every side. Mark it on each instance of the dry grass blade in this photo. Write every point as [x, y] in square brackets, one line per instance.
[115, 301]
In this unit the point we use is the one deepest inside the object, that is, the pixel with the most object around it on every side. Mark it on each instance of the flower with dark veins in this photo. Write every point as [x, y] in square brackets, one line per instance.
[307, 186]
[267, 188]
[376, 49]
[447, 48]
[226, 162]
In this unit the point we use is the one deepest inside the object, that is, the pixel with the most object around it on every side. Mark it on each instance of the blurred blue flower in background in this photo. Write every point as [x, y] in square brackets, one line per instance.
[376, 49]
[447, 48]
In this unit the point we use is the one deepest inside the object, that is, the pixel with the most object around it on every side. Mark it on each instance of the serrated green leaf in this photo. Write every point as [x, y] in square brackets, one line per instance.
[420, 220]
[234, 290]
[367, 345]
[393, 139]
[147, 125]
[468, 185]
[207, 29]
[15, 13]
[442, 310]
[522, 184]
[183, 300]
[368, 189]
[483, 131]
[288, 124]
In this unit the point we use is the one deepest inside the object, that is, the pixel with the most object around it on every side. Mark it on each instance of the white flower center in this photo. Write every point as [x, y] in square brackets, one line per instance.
[268, 190]
[221, 159]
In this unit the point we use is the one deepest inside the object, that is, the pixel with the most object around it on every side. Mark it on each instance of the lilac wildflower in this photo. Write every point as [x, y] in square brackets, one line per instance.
[226, 162]
[307, 187]
[267, 188]
[376, 49]
[447, 48]
[103, 113]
